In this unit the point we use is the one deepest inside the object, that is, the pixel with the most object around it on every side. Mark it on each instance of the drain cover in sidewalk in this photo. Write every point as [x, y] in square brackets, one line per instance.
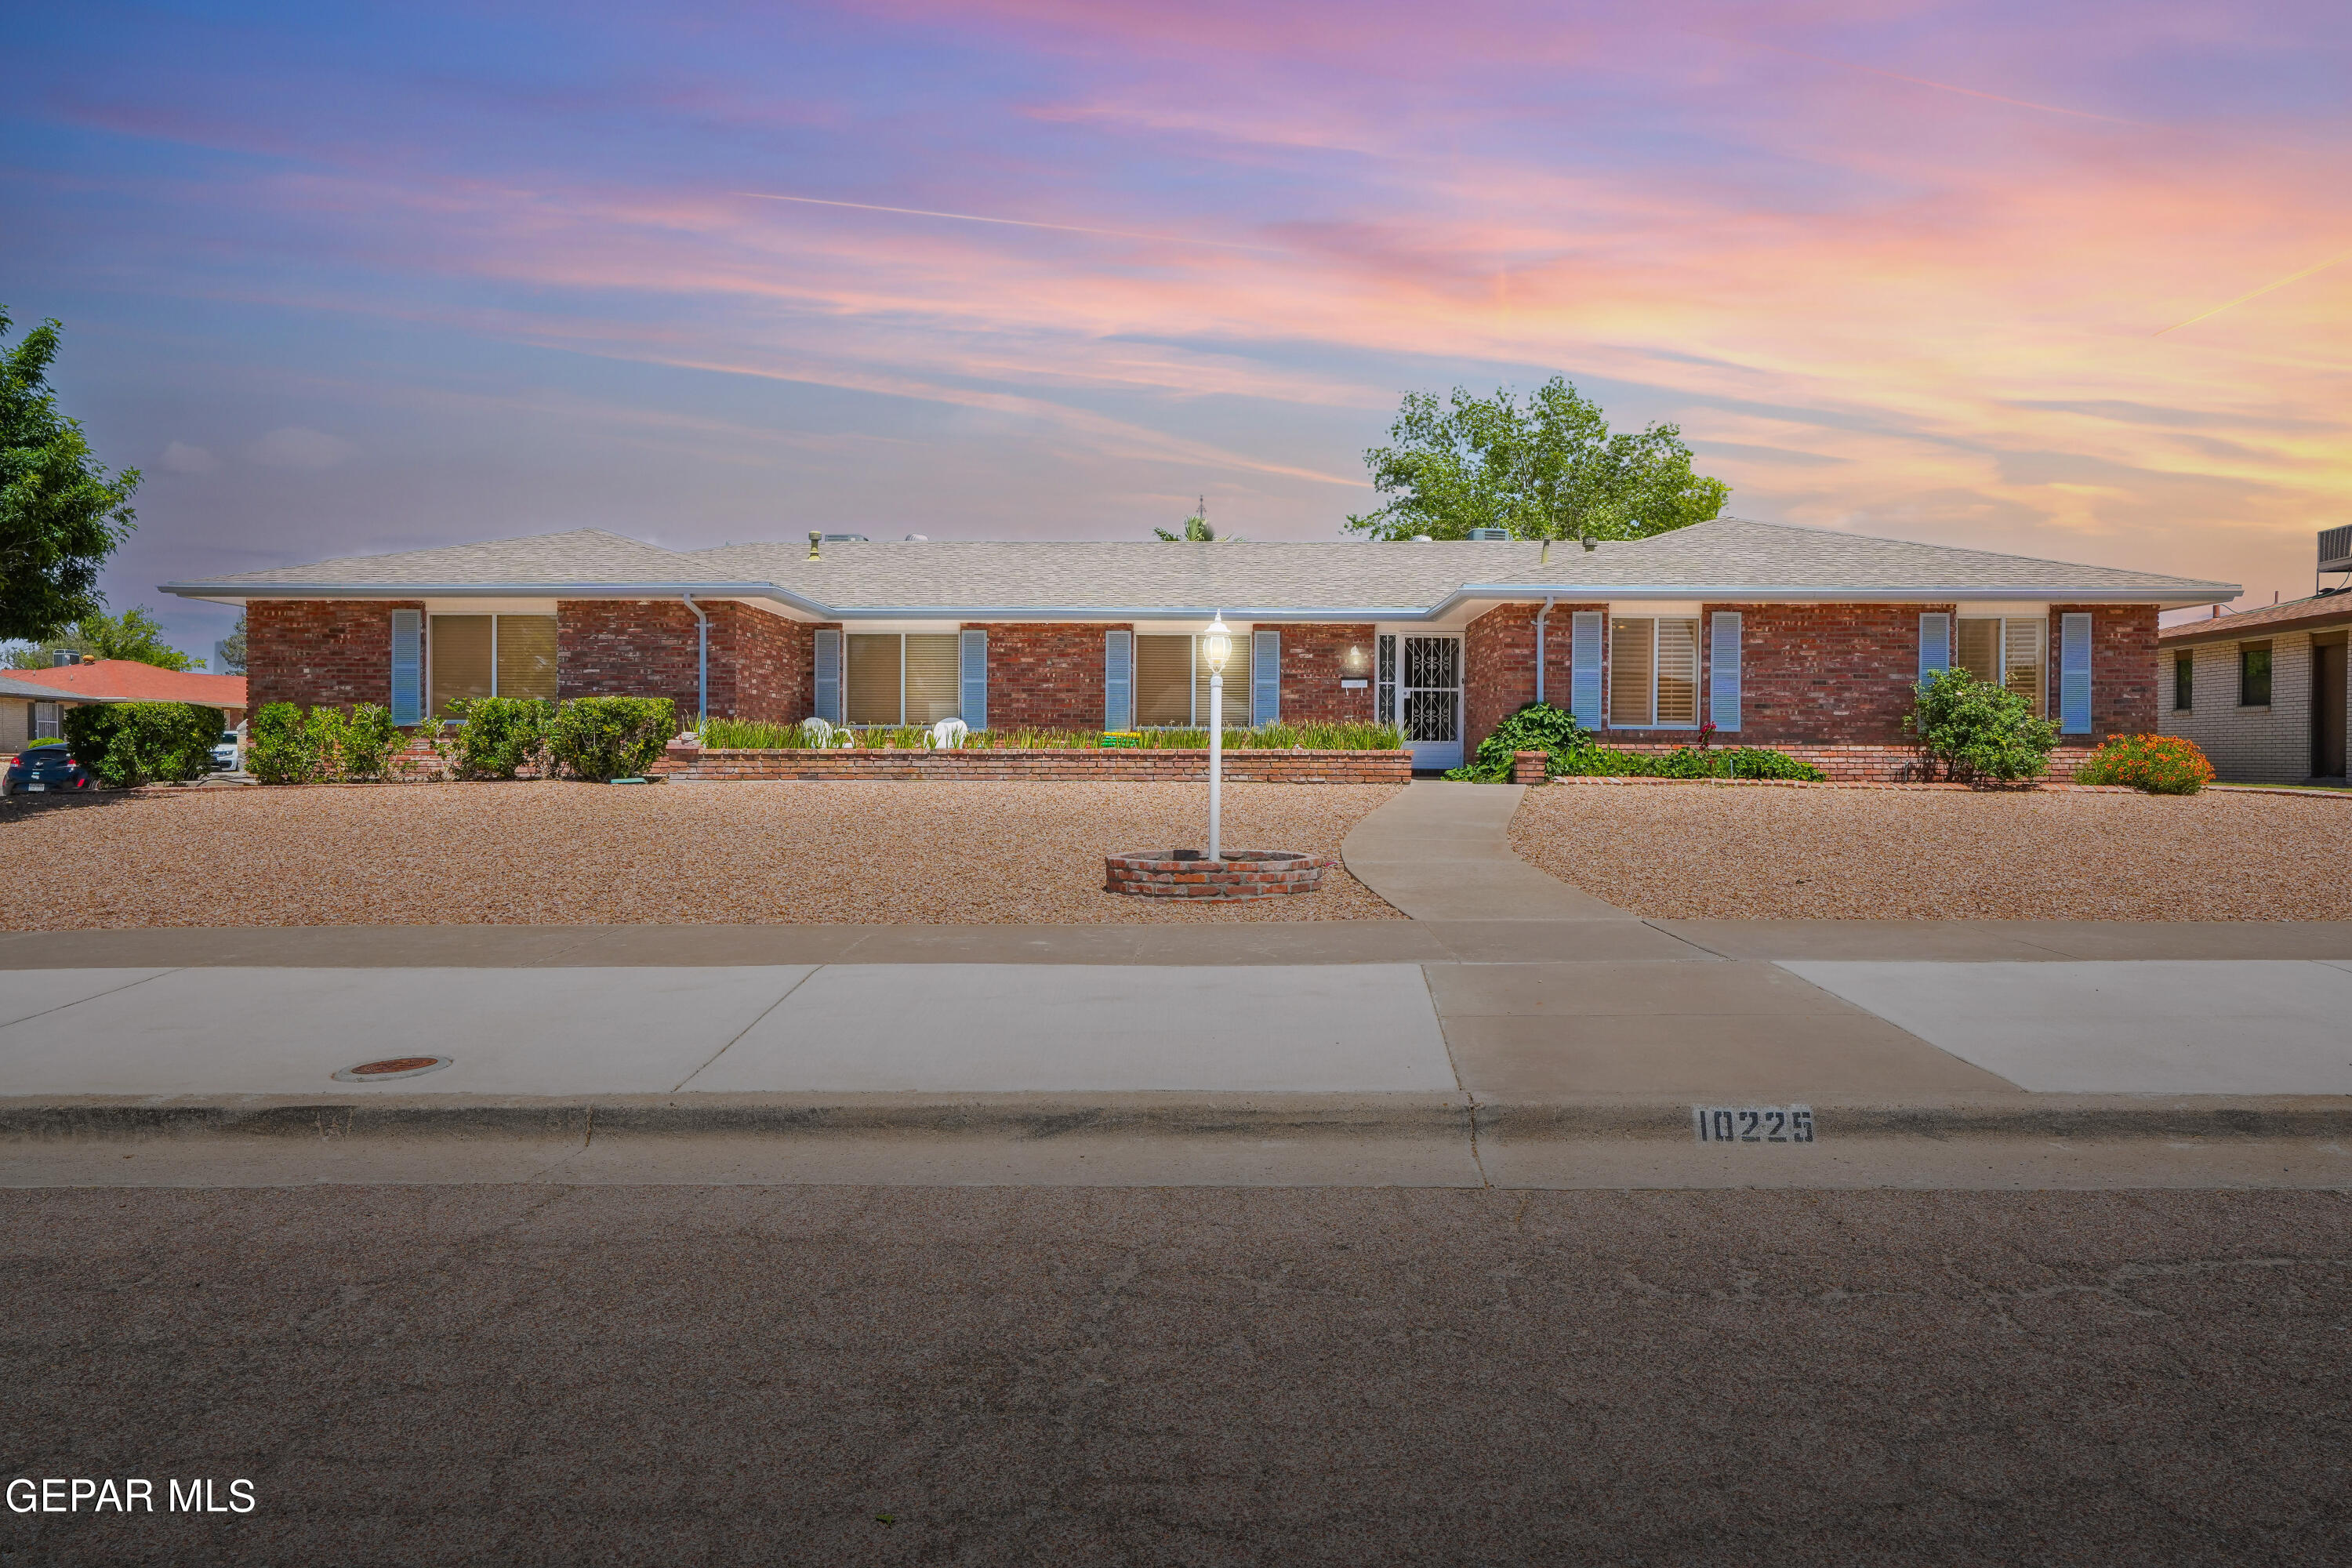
[390, 1067]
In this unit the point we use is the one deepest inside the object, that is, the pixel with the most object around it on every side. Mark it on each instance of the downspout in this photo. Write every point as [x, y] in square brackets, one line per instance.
[1540, 615]
[701, 663]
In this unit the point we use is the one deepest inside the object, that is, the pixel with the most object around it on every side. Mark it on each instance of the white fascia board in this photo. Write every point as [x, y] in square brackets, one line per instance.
[2174, 597]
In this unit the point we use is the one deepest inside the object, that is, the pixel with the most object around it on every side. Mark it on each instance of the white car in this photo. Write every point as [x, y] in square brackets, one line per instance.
[224, 753]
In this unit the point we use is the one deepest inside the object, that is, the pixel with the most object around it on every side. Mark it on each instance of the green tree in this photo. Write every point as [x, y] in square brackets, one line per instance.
[232, 648]
[1196, 529]
[1547, 468]
[133, 635]
[61, 513]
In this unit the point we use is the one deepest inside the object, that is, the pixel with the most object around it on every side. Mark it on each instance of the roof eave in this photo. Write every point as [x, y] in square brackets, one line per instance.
[2175, 596]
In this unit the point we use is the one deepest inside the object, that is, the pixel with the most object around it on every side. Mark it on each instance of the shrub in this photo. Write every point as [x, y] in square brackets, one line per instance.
[1537, 727]
[607, 738]
[279, 747]
[2160, 764]
[1979, 731]
[127, 743]
[365, 740]
[499, 736]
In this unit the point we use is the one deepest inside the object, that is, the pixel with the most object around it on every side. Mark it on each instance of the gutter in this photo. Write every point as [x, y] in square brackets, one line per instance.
[2174, 597]
[1541, 616]
[701, 664]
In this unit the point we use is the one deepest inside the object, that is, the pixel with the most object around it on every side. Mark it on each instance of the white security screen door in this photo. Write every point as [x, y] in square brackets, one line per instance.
[1429, 694]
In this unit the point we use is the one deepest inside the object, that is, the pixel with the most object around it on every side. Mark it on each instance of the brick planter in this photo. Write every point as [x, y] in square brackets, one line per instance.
[1530, 767]
[1240, 874]
[1171, 766]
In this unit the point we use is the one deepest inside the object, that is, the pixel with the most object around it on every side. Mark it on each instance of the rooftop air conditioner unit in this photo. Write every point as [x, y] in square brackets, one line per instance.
[2335, 549]
[1490, 534]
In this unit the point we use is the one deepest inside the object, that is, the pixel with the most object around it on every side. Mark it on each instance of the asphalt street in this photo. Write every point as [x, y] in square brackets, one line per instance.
[686, 1375]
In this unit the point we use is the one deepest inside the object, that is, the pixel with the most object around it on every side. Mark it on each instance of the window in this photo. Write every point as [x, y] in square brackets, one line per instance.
[46, 724]
[2006, 650]
[1654, 674]
[491, 655]
[2254, 675]
[2184, 681]
[908, 678]
[1171, 684]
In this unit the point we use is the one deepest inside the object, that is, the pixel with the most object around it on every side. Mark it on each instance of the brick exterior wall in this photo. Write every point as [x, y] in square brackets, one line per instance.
[1138, 765]
[320, 652]
[2123, 668]
[2247, 745]
[1498, 659]
[760, 665]
[1045, 677]
[1311, 671]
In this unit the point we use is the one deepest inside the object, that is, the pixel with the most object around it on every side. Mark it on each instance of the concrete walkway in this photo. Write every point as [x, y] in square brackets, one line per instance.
[1439, 851]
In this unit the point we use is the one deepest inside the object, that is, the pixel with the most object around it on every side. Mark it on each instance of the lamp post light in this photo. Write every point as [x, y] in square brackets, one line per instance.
[1216, 646]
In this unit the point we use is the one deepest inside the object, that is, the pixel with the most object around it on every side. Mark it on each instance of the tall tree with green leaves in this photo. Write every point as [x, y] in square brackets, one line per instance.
[1548, 468]
[232, 648]
[61, 513]
[134, 634]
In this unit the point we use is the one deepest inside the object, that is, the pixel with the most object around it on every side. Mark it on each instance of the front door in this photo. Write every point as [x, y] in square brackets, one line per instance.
[2327, 713]
[1429, 700]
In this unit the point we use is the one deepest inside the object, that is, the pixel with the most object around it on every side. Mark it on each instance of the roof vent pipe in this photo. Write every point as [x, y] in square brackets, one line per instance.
[702, 658]
[814, 539]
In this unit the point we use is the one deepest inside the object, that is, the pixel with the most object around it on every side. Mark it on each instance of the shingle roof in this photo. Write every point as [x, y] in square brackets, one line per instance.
[14, 685]
[1728, 558]
[2296, 614]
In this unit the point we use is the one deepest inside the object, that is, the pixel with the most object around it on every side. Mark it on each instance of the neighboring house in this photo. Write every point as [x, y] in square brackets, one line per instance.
[1777, 636]
[30, 712]
[128, 680]
[2263, 691]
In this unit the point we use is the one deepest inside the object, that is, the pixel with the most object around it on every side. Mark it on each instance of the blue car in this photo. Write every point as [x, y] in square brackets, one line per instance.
[45, 769]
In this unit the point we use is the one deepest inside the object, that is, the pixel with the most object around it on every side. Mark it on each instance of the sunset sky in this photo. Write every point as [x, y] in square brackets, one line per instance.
[351, 278]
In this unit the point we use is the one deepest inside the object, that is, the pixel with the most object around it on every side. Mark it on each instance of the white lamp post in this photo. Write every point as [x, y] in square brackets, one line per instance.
[1216, 646]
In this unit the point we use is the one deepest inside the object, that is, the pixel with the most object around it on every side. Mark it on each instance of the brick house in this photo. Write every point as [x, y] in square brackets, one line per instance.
[2263, 691]
[1772, 635]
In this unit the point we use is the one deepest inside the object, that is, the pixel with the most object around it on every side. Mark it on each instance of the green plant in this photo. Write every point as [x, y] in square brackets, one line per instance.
[325, 728]
[127, 743]
[607, 738]
[1537, 727]
[1979, 731]
[61, 513]
[499, 736]
[278, 745]
[2159, 764]
[366, 740]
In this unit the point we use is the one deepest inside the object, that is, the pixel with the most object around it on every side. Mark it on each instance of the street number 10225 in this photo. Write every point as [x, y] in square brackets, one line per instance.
[1753, 1123]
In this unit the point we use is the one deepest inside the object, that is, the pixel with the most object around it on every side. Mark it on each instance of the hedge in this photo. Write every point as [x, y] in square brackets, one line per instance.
[128, 744]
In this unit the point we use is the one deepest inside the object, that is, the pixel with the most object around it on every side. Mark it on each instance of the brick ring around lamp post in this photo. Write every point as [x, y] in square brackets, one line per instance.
[1189, 874]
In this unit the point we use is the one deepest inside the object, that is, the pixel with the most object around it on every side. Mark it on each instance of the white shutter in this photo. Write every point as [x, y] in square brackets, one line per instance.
[1266, 678]
[407, 667]
[2075, 675]
[828, 677]
[1723, 671]
[1584, 667]
[1119, 680]
[971, 660]
[1935, 644]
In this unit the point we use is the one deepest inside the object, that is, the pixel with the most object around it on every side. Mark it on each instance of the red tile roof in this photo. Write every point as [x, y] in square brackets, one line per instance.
[2319, 611]
[128, 680]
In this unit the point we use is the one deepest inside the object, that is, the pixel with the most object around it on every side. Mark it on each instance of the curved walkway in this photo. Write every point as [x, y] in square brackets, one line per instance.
[1439, 851]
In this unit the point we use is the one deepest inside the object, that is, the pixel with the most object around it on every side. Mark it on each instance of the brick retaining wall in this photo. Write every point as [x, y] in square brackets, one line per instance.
[1120, 766]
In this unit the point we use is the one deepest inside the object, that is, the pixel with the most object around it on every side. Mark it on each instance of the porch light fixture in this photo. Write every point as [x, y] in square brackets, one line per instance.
[1216, 648]
[1356, 660]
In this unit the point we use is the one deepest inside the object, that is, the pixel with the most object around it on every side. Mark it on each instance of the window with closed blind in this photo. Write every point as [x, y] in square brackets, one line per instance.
[490, 656]
[1164, 681]
[1653, 673]
[902, 677]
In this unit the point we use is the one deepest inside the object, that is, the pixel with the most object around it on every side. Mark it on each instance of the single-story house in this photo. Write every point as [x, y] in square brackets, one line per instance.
[2262, 692]
[30, 712]
[115, 680]
[1773, 634]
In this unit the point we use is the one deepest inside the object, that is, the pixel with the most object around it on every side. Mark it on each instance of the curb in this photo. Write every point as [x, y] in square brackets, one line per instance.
[1034, 1116]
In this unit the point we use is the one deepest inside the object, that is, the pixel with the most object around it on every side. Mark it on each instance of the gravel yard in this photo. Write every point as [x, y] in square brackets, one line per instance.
[1700, 851]
[574, 854]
